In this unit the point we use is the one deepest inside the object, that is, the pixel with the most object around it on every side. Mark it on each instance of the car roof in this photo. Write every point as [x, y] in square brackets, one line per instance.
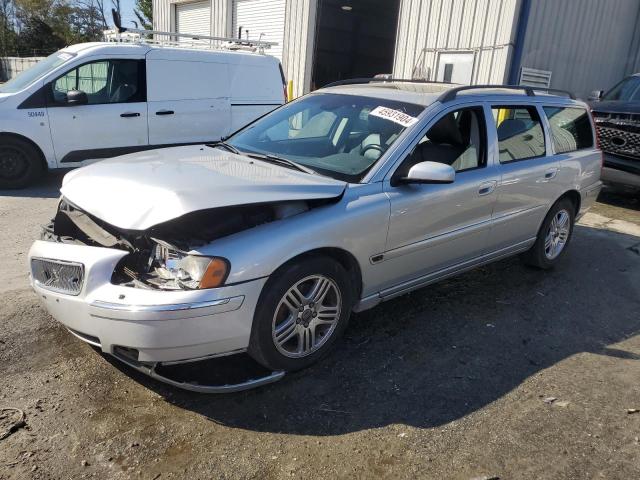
[429, 92]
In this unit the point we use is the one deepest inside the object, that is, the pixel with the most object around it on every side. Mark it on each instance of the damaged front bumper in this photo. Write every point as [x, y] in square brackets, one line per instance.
[146, 328]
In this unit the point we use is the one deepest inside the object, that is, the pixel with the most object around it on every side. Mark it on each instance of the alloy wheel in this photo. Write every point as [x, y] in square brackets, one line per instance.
[557, 234]
[306, 316]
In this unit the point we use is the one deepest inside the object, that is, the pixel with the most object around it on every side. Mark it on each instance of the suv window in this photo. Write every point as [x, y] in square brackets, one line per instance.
[457, 139]
[570, 128]
[104, 81]
[627, 90]
[520, 134]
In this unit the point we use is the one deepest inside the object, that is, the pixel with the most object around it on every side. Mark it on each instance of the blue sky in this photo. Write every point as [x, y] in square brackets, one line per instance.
[126, 7]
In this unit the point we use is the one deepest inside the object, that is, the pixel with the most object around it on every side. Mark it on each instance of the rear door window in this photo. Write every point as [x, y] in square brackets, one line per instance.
[520, 134]
[570, 128]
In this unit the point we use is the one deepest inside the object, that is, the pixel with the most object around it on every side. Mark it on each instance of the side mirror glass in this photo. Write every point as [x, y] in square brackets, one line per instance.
[77, 97]
[596, 95]
[430, 172]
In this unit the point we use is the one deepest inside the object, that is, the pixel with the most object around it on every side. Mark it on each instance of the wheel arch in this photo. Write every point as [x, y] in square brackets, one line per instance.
[43, 159]
[345, 258]
[573, 196]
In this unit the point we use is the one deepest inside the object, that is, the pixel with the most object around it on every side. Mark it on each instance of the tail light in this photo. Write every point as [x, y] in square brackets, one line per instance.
[595, 128]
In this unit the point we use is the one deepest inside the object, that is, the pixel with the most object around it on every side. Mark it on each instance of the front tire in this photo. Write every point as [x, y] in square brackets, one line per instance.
[303, 309]
[20, 163]
[553, 237]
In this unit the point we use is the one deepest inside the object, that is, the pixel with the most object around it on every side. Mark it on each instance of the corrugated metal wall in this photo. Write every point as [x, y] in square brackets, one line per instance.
[586, 44]
[299, 35]
[163, 16]
[428, 27]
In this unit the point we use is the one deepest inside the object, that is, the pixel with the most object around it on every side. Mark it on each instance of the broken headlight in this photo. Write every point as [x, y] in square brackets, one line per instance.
[173, 269]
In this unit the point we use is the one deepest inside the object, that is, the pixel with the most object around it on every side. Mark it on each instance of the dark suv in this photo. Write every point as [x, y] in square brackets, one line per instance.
[617, 117]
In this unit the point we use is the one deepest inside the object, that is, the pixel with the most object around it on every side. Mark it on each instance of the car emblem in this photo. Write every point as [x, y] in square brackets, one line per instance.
[618, 141]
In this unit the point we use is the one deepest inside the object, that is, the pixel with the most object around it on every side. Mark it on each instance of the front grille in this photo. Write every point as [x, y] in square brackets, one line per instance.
[57, 275]
[619, 142]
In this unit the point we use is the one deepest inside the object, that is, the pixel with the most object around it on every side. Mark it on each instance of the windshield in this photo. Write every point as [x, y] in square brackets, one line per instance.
[341, 136]
[626, 91]
[41, 68]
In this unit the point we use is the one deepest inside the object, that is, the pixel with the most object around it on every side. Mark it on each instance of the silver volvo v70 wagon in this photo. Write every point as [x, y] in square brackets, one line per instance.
[346, 197]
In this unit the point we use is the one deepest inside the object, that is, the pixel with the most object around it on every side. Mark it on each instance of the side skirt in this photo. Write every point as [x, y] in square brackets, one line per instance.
[408, 286]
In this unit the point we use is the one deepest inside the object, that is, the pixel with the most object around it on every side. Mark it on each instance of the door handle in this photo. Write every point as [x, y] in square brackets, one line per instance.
[487, 188]
[165, 112]
[129, 114]
[551, 173]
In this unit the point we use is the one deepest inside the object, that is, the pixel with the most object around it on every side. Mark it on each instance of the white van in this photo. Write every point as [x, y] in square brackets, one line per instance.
[97, 100]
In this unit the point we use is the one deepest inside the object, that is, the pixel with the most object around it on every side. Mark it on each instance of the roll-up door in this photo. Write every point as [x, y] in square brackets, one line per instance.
[194, 17]
[261, 17]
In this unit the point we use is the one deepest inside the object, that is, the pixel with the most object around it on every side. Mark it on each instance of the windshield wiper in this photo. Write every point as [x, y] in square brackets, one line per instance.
[226, 145]
[281, 161]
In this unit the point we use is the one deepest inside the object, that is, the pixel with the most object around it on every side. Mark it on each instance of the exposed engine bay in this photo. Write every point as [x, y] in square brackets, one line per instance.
[159, 256]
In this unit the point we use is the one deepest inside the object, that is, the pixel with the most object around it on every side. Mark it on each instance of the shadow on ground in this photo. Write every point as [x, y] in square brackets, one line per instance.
[445, 351]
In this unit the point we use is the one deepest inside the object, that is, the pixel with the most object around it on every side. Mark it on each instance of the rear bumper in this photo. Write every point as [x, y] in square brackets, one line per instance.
[588, 197]
[160, 326]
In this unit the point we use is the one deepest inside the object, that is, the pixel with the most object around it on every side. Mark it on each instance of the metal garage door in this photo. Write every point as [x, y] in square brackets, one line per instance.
[261, 17]
[194, 17]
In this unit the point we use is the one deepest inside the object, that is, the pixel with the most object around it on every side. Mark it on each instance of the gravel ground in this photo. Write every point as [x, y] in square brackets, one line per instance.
[504, 372]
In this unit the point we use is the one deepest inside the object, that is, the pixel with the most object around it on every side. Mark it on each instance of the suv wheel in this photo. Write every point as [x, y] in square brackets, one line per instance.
[553, 237]
[302, 311]
[20, 163]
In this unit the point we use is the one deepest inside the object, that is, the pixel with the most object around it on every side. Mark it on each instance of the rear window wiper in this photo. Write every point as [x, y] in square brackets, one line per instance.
[281, 161]
[225, 145]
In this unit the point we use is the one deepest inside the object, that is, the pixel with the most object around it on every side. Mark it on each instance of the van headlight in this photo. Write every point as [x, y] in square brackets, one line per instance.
[173, 269]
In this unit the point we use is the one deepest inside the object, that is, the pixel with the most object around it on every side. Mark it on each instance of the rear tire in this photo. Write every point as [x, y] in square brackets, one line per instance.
[303, 309]
[553, 237]
[20, 163]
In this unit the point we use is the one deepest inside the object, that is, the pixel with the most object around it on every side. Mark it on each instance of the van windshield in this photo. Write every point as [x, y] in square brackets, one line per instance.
[30, 75]
[337, 135]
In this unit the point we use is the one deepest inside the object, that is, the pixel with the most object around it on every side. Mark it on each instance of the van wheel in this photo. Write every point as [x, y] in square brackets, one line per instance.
[553, 237]
[303, 309]
[20, 163]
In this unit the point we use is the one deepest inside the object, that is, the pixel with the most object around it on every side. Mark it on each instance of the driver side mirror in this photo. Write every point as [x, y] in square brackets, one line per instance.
[596, 95]
[77, 97]
[430, 172]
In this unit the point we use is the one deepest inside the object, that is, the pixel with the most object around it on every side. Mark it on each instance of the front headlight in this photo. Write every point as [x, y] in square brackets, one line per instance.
[178, 270]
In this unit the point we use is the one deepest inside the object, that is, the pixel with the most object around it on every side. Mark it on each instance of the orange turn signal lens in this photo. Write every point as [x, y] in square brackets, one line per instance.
[215, 274]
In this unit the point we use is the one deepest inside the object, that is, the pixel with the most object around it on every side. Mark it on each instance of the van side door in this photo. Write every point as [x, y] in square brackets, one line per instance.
[188, 94]
[528, 170]
[98, 110]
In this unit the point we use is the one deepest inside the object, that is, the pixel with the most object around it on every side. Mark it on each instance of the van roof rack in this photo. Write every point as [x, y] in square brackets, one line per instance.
[529, 90]
[214, 43]
[451, 93]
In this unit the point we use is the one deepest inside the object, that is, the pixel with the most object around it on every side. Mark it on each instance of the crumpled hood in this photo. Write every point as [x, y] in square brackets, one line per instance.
[139, 190]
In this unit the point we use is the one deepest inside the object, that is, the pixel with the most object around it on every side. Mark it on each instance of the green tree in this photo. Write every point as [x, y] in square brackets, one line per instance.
[144, 12]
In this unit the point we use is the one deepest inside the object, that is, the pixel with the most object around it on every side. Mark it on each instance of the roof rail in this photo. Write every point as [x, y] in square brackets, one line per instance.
[364, 80]
[231, 42]
[529, 90]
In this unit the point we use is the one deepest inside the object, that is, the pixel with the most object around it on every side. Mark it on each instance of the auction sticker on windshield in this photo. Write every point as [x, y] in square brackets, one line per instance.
[396, 116]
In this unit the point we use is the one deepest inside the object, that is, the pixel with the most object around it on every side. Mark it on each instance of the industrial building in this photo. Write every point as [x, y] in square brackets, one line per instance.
[577, 45]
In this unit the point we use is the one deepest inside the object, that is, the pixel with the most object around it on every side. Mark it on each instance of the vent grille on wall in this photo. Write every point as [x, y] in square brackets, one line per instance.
[535, 78]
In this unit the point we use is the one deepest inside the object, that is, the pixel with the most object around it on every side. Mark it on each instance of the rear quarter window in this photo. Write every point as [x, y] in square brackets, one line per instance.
[570, 128]
[520, 134]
